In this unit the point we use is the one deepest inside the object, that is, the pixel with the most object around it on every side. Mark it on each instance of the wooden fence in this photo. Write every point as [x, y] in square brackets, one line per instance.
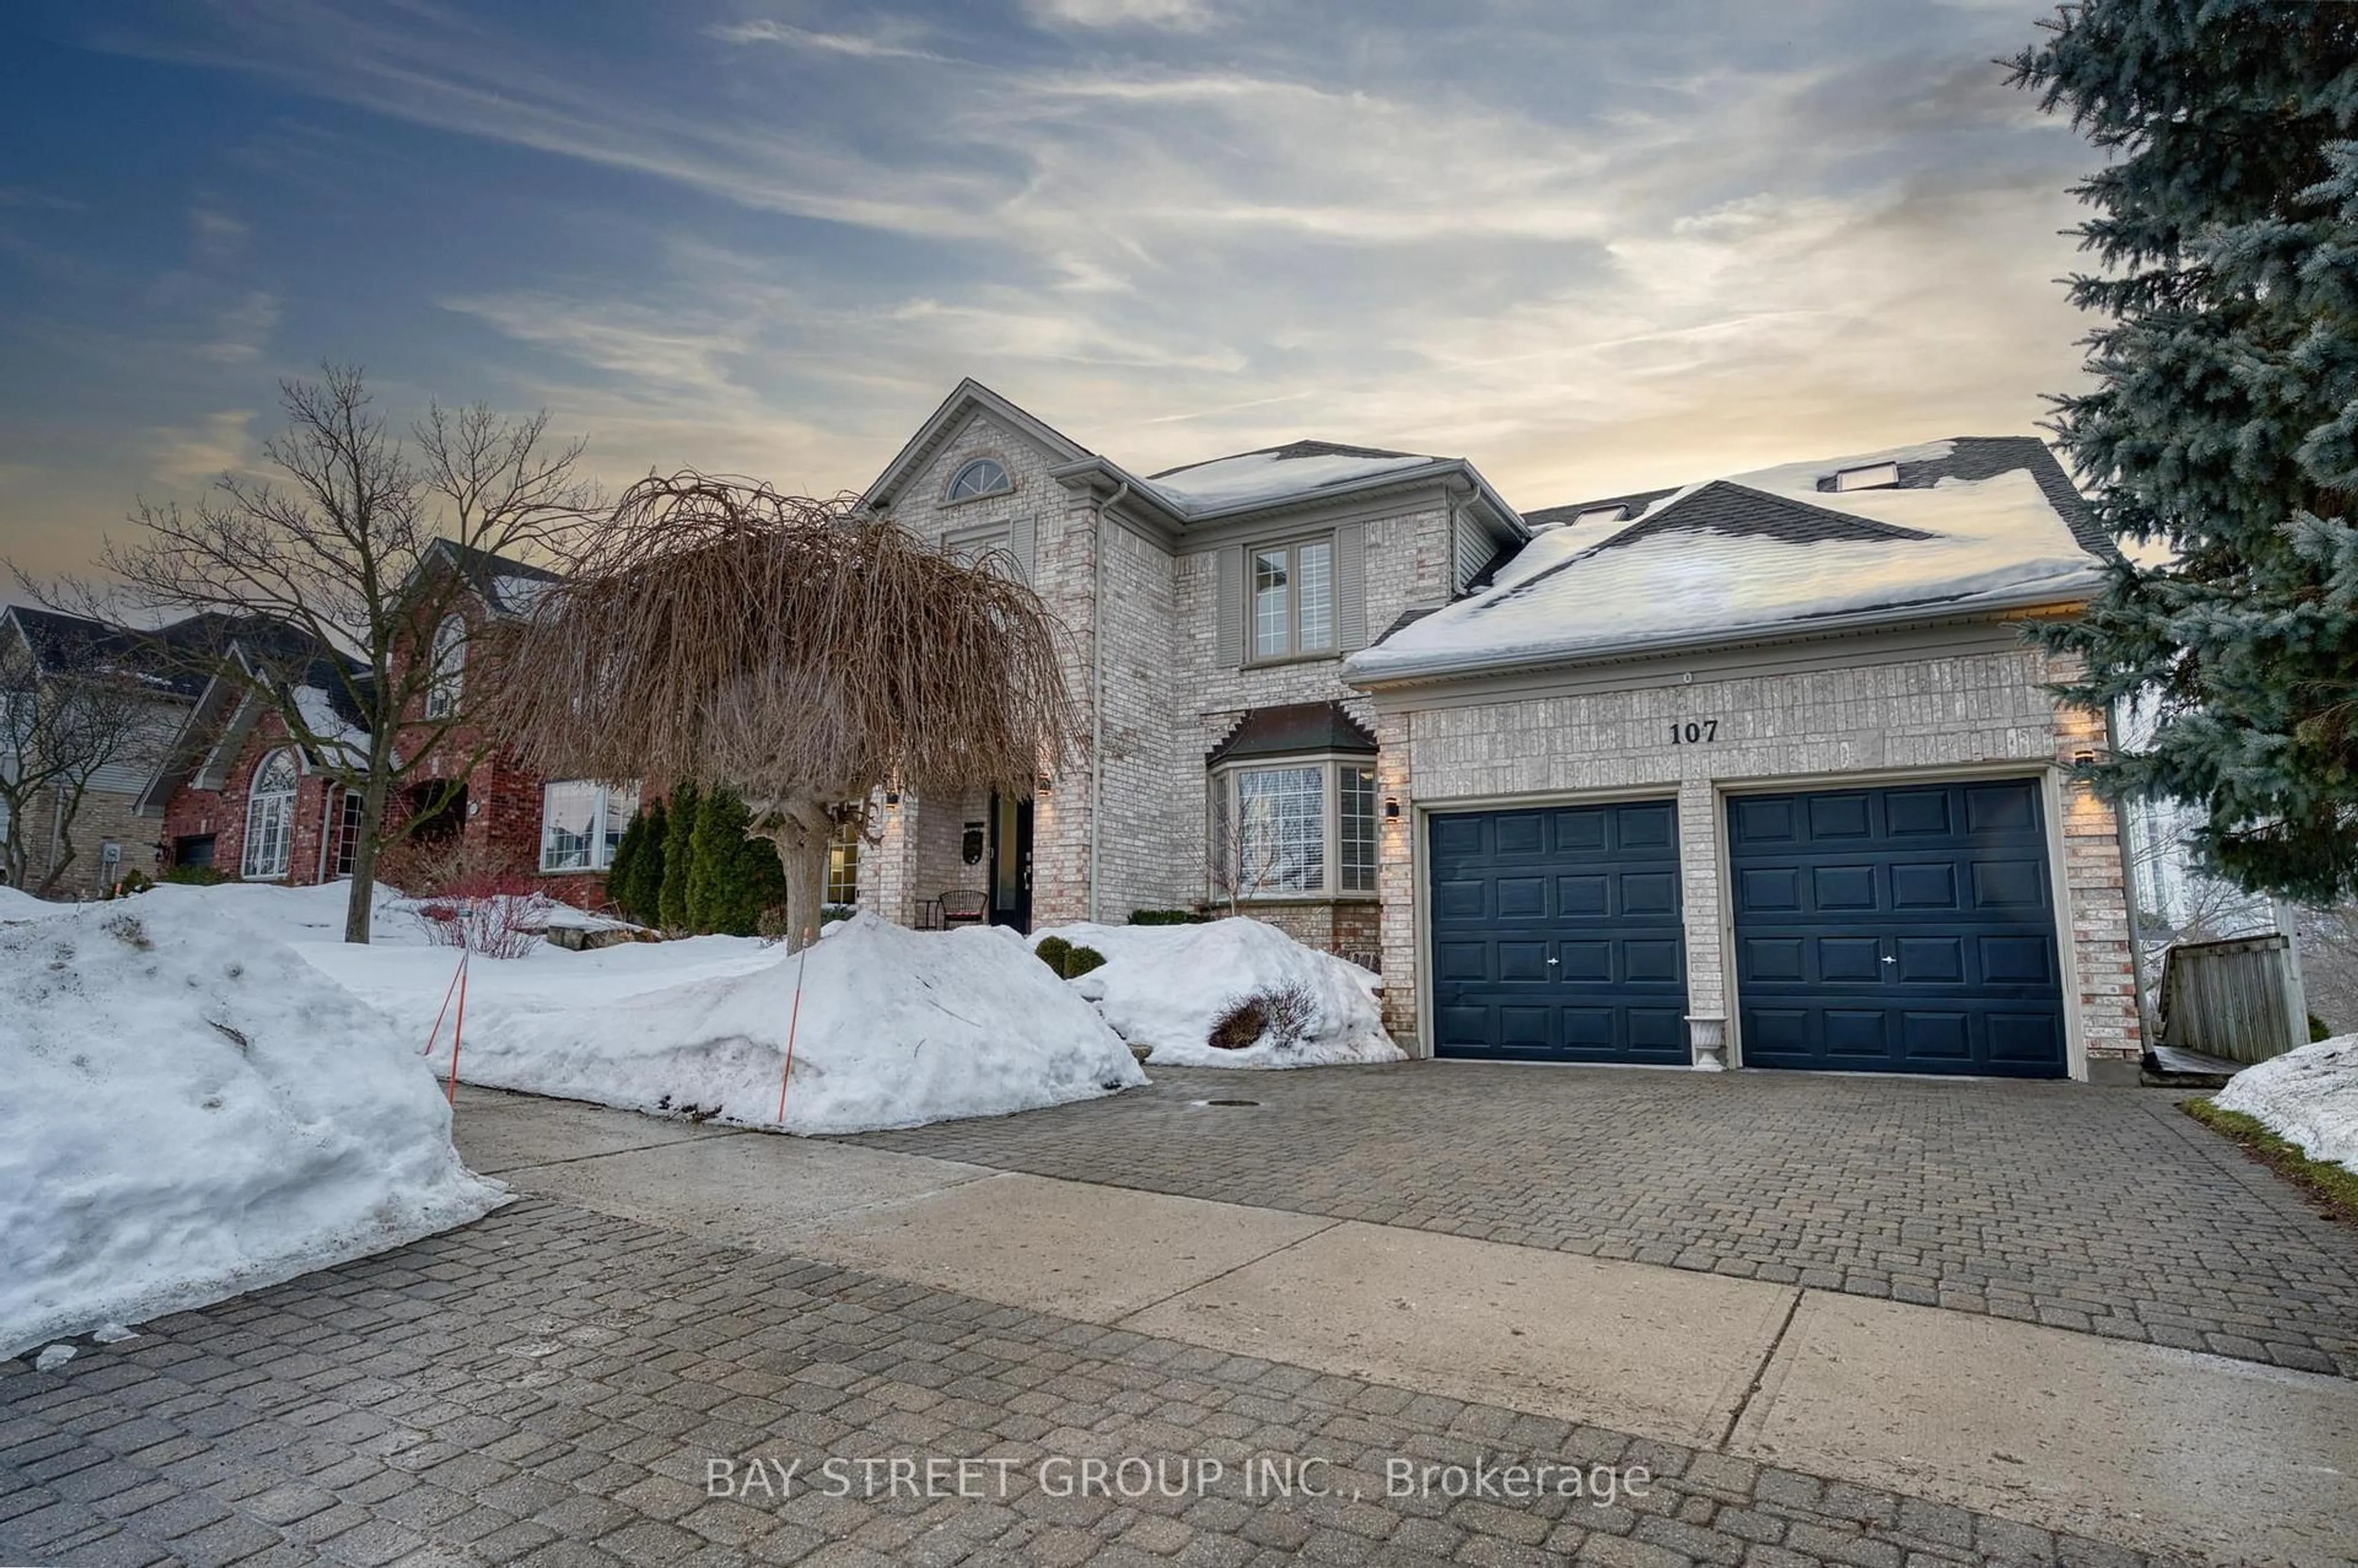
[2238, 999]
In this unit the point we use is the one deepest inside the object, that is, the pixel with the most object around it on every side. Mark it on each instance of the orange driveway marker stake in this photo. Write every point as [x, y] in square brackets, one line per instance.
[447, 992]
[459, 1026]
[793, 1021]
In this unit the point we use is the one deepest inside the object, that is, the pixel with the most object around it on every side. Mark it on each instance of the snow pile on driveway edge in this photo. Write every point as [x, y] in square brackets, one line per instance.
[193, 1111]
[1166, 986]
[2308, 1098]
[898, 1028]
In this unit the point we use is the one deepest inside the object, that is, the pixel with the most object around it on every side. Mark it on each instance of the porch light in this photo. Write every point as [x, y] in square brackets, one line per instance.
[892, 797]
[1391, 808]
[2083, 759]
[1046, 783]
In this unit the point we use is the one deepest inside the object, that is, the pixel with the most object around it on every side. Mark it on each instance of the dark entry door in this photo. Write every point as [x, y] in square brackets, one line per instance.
[1011, 862]
[1904, 930]
[1556, 935]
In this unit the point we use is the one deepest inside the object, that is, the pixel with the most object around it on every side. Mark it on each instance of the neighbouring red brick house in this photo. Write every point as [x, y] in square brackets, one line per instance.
[240, 792]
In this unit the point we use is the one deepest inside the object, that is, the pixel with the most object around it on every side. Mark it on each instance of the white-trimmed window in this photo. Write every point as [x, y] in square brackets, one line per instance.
[442, 692]
[983, 476]
[1290, 591]
[843, 864]
[270, 816]
[581, 820]
[1294, 827]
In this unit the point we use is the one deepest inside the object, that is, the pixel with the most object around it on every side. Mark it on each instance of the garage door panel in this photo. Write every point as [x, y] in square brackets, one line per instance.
[1857, 1033]
[1561, 938]
[1850, 960]
[1766, 889]
[1588, 897]
[1958, 970]
[1842, 887]
[1521, 898]
[1650, 960]
[1649, 893]
[1522, 961]
[1930, 960]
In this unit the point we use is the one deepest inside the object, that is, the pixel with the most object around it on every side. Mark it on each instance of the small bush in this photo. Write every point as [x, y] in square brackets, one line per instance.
[1080, 961]
[195, 876]
[1167, 917]
[498, 915]
[1281, 1017]
[829, 913]
[1052, 951]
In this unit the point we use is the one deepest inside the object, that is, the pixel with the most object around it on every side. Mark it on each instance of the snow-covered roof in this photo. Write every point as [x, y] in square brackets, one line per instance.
[1972, 523]
[1294, 471]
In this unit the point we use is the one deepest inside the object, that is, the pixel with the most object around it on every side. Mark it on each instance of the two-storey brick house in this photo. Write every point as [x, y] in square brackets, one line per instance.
[1758, 770]
[238, 792]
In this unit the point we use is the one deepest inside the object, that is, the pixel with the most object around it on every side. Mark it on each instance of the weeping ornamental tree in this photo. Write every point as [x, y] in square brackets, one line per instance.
[2223, 425]
[715, 633]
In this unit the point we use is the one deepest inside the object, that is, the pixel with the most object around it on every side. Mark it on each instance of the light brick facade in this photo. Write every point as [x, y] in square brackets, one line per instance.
[1125, 827]
[1877, 710]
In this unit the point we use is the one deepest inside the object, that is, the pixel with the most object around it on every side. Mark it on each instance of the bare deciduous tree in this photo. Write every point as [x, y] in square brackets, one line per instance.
[364, 544]
[61, 721]
[714, 631]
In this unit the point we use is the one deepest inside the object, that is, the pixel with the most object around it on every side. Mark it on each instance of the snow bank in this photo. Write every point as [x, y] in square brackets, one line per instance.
[15, 904]
[898, 1027]
[192, 1111]
[1166, 986]
[2308, 1098]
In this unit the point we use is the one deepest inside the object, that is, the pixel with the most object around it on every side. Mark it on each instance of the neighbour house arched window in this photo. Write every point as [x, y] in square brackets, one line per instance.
[984, 475]
[450, 667]
[270, 815]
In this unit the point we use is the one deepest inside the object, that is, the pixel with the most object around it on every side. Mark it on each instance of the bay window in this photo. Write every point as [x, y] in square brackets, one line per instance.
[582, 821]
[1295, 829]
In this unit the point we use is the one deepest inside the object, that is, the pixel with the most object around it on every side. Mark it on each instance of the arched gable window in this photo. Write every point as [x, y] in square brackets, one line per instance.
[984, 475]
[270, 816]
[450, 667]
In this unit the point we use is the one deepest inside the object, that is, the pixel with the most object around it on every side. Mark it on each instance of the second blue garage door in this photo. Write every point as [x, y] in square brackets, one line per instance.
[1906, 930]
[1556, 935]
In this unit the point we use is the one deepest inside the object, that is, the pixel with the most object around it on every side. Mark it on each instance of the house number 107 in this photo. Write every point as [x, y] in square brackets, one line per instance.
[1694, 731]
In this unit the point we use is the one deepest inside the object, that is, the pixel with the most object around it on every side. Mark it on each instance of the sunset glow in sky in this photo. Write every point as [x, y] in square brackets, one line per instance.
[1595, 247]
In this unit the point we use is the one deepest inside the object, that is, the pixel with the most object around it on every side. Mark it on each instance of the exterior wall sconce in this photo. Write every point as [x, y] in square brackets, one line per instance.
[2083, 759]
[892, 797]
[1047, 785]
[1391, 808]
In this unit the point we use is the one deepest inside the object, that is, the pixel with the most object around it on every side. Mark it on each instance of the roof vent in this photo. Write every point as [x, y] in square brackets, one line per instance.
[1866, 476]
[1617, 512]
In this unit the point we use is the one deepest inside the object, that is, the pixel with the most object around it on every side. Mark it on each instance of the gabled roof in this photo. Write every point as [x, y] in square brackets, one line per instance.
[969, 397]
[166, 660]
[1974, 526]
[504, 583]
[1294, 729]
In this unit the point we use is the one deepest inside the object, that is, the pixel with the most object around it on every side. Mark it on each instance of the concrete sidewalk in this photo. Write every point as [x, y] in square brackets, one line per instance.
[2165, 1450]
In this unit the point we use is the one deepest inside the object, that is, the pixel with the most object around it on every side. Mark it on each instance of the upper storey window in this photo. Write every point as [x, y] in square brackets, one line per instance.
[984, 475]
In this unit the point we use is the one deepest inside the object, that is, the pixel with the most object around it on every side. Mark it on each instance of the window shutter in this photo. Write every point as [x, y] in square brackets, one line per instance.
[1019, 543]
[1231, 633]
[1351, 586]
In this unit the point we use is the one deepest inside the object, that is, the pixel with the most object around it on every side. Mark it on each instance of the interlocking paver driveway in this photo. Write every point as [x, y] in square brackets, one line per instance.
[548, 1385]
[2106, 1211]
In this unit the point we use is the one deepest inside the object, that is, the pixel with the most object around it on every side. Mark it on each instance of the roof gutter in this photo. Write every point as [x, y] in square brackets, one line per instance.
[1451, 667]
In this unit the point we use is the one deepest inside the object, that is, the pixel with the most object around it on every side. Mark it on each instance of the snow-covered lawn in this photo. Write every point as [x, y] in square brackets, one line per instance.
[192, 1110]
[896, 1027]
[1167, 986]
[2308, 1098]
[16, 904]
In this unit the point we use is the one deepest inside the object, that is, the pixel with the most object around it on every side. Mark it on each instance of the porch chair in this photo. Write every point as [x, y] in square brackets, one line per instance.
[963, 906]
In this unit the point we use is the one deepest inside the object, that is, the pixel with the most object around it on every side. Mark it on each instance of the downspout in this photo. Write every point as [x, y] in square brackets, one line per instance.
[327, 829]
[2147, 1036]
[1097, 692]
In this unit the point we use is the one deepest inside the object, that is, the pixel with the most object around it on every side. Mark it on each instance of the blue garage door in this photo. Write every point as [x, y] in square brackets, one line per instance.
[1904, 930]
[1557, 935]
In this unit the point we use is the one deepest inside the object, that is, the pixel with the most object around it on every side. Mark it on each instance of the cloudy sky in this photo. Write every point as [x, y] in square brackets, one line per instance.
[1592, 245]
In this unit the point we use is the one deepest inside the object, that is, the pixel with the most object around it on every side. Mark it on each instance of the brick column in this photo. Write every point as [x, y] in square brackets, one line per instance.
[2095, 883]
[1396, 881]
[888, 869]
[1701, 898]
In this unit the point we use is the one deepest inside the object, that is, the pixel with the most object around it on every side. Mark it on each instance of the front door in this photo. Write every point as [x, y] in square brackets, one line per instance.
[1011, 862]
